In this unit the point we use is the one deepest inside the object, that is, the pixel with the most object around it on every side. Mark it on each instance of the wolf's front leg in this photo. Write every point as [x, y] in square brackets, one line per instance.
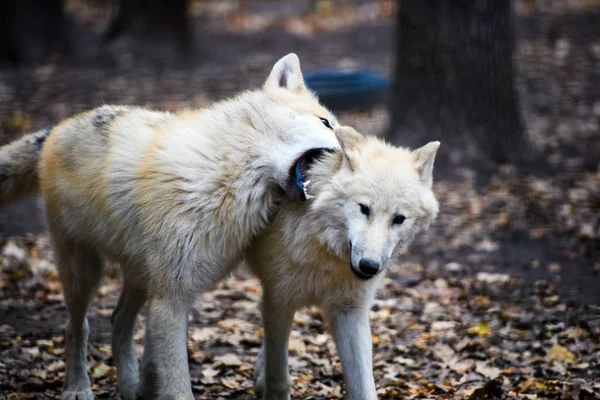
[352, 336]
[272, 380]
[165, 372]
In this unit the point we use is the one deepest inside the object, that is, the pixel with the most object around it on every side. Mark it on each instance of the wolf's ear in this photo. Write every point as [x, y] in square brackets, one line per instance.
[349, 140]
[286, 74]
[423, 158]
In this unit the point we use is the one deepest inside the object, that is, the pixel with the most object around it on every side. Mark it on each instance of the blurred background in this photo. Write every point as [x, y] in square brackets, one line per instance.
[510, 88]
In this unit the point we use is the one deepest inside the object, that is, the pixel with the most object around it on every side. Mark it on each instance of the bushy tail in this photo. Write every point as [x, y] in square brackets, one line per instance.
[19, 166]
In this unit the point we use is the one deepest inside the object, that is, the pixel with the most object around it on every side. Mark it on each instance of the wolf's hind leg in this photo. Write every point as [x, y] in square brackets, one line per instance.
[272, 380]
[80, 270]
[123, 348]
[165, 372]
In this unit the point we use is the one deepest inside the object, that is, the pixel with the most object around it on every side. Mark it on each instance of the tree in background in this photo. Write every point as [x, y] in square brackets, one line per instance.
[31, 30]
[454, 80]
[153, 20]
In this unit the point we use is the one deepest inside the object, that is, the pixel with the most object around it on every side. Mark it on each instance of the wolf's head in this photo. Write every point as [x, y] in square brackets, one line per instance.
[377, 201]
[295, 127]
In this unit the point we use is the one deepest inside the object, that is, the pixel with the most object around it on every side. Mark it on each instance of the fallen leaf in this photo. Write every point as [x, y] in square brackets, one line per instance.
[561, 354]
[481, 329]
[227, 360]
[100, 371]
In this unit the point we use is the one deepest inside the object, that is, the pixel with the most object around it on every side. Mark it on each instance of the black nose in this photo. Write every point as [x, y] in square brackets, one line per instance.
[368, 267]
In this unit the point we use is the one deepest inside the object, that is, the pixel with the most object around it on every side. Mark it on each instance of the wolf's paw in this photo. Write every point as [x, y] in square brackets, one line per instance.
[128, 387]
[128, 393]
[272, 390]
[85, 394]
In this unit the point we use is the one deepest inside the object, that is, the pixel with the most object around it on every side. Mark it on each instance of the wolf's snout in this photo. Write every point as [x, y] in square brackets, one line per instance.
[368, 267]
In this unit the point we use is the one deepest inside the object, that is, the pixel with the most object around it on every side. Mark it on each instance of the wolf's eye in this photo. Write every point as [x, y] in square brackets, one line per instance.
[365, 209]
[398, 219]
[326, 123]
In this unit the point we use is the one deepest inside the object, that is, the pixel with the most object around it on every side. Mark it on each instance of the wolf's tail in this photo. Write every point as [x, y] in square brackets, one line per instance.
[19, 166]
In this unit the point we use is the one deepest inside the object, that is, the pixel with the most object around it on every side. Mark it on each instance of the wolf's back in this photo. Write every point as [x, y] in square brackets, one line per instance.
[19, 166]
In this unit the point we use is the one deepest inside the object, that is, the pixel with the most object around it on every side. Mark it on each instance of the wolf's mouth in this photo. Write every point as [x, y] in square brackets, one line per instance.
[360, 275]
[297, 183]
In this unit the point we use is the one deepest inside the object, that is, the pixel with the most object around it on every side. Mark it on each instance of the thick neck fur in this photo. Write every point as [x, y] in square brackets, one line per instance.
[217, 173]
[310, 224]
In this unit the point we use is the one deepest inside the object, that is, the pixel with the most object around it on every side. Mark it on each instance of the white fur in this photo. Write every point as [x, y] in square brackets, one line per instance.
[304, 258]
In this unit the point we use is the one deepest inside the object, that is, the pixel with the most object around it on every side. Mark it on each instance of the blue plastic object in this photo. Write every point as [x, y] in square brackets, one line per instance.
[347, 89]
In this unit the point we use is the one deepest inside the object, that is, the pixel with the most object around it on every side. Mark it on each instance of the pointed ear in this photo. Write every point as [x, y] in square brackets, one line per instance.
[423, 158]
[286, 74]
[349, 140]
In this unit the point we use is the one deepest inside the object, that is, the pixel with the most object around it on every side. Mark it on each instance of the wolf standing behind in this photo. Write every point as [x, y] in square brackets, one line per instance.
[175, 198]
[369, 200]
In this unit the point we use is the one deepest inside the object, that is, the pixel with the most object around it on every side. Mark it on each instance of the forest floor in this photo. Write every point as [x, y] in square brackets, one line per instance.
[498, 300]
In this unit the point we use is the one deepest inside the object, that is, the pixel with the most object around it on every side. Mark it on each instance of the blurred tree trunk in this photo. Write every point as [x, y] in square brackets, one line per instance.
[165, 20]
[31, 30]
[454, 81]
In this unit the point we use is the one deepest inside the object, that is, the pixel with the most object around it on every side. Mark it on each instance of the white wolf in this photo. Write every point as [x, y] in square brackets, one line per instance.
[332, 252]
[176, 198]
